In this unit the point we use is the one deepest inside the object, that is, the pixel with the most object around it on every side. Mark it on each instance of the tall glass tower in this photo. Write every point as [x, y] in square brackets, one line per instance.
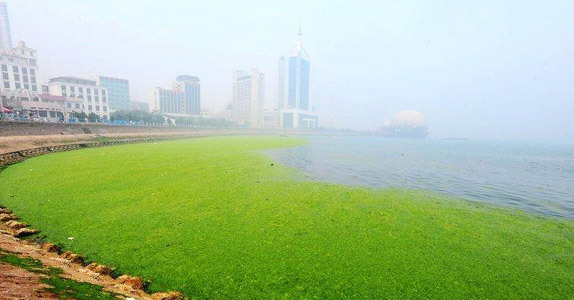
[293, 78]
[293, 103]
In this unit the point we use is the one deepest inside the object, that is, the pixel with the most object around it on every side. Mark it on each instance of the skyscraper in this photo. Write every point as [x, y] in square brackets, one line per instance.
[249, 97]
[5, 34]
[190, 87]
[293, 78]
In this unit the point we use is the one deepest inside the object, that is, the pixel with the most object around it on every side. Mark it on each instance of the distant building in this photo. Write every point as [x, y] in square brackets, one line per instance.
[206, 113]
[190, 87]
[135, 105]
[249, 97]
[5, 33]
[406, 124]
[226, 113]
[167, 101]
[271, 118]
[118, 92]
[93, 96]
[293, 89]
[183, 100]
[19, 69]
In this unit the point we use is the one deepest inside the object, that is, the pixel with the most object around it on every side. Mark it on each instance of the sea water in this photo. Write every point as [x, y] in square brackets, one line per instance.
[535, 177]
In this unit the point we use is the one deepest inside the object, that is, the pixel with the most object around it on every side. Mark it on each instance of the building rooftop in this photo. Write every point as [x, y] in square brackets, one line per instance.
[187, 78]
[72, 79]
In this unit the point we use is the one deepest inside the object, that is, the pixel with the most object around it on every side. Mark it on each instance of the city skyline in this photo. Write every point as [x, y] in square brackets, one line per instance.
[503, 76]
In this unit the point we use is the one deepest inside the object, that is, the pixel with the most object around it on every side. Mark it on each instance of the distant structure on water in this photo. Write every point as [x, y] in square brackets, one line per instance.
[406, 124]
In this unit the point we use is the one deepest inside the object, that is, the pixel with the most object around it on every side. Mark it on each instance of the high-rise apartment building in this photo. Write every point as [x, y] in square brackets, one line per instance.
[190, 87]
[118, 92]
[249, 97]
[183, 99]
[293, 79]
[5, 33]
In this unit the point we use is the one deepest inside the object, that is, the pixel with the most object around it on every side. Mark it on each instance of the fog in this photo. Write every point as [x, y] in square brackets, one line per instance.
[477, 69]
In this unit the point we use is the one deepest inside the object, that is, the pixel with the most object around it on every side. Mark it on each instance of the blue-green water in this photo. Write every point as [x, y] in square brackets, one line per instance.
[533, 177]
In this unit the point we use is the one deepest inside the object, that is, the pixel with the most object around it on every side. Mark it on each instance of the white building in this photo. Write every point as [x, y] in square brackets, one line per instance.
[93, 96]
[19, 69]
[5, 33]
[184, 99]
[293, 79]
[249, 97]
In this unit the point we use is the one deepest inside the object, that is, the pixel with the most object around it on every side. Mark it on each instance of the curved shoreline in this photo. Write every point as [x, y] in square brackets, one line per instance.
[325, 214]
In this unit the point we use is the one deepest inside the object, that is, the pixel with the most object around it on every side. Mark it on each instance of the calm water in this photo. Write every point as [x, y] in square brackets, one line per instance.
[537, 178]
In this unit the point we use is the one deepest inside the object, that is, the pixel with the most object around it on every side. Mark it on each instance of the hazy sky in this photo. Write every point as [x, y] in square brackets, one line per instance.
[488, 69]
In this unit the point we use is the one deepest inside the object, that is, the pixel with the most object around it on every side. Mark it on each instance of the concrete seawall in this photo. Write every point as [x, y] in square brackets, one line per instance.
[14, 128]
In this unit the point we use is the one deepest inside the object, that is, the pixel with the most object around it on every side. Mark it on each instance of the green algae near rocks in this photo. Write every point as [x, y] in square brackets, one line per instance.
[216, 218]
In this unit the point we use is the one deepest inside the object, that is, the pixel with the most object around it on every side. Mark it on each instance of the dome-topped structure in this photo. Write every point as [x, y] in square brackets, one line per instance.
[406, 123]
[409, 118]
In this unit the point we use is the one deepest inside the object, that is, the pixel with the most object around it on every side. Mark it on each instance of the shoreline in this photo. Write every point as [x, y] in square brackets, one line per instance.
[431, 205]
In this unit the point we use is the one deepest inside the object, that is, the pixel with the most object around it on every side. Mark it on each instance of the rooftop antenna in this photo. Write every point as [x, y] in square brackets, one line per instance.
[300, 32]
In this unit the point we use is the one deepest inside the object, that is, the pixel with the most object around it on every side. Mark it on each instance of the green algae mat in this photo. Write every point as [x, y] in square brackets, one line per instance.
[214, 218]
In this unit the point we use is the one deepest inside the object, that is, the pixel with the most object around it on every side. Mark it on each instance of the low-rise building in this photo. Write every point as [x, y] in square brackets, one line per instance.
[93, 96]
[136, 105]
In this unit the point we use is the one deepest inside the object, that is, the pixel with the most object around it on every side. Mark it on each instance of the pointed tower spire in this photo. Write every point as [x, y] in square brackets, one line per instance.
[300, 32]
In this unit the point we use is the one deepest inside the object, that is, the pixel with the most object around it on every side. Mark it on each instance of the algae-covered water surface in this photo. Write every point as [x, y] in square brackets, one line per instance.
[216, 218]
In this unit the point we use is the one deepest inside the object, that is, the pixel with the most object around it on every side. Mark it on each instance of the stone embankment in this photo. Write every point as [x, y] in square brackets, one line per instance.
[72, 265]
[17, 156]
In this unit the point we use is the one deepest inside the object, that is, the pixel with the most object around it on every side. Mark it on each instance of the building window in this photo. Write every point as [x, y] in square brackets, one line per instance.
[89, 97]
[104, 92]
[5, 76]
[63, 88]
[81, 90]
[25, 78]
[15, 69]
[89, 107]
[95, 91]
[33, 79]
[89, 91]
[6, 84]
[97, 98]
[77, 105]
[34, 88]
[17, 85]
[52, 114]
[32, 72]
[24, 71]
[105, 108]
[72, 89]
[104, 99]
[97, 108]
[69, 105]
[5, 68]
[16, 77]
[26, 86]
